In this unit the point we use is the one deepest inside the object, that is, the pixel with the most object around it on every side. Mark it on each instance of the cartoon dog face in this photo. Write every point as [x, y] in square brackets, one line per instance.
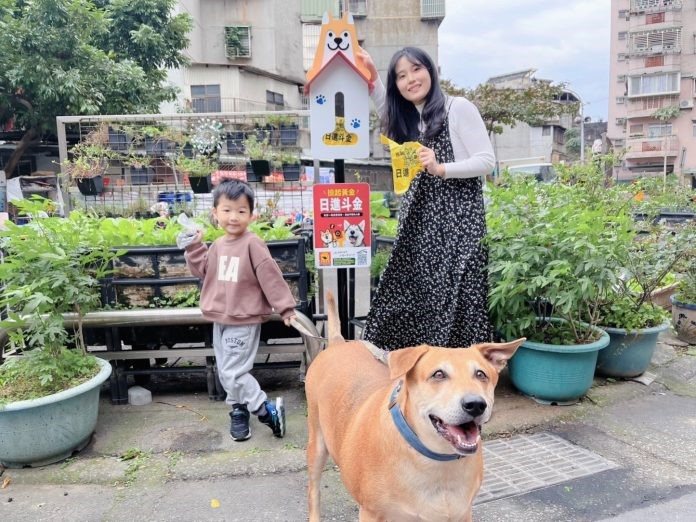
[337, 35]
[327, 238]
[355, 233]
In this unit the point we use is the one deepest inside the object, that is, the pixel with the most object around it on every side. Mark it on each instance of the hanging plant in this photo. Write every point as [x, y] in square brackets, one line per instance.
[207, 136]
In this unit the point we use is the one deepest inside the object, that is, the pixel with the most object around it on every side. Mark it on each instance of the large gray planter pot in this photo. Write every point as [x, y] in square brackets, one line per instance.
[46, 430]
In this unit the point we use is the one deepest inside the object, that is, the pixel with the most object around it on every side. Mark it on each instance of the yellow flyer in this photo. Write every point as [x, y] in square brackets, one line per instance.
[405, 162]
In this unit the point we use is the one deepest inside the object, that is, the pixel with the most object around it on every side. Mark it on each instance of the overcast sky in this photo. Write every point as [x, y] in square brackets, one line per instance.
[565, 41]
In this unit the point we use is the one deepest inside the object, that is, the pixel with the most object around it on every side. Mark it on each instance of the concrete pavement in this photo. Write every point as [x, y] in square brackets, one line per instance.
[173, 459]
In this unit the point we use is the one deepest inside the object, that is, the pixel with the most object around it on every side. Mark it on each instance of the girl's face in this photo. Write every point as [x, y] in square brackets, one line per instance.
[412, 80]
[233, 215]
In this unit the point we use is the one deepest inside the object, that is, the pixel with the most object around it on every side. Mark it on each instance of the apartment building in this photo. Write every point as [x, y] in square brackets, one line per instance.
[652, 74]
[544, 142]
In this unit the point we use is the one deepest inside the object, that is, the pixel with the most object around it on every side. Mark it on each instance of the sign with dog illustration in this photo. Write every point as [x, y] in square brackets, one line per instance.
[338, 91]
[342, 225]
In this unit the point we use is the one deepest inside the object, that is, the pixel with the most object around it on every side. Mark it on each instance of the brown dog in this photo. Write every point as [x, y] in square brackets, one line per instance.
[440, 395]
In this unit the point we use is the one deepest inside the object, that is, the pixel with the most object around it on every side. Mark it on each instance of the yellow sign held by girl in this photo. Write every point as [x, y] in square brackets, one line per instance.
[405, 162]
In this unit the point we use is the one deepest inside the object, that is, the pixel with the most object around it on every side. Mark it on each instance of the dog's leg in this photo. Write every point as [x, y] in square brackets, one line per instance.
[317, 454]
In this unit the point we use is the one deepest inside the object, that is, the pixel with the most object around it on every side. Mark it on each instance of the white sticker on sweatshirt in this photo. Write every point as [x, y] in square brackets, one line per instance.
[228, 268]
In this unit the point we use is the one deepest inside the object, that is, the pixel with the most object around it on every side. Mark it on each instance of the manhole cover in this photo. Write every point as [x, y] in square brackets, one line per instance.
[527, 462]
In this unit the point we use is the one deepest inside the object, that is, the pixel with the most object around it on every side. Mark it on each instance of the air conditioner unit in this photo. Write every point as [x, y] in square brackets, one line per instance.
[686, 104]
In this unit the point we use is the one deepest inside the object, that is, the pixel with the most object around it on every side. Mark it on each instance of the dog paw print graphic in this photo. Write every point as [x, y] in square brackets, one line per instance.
[355, 123]
[320, 99]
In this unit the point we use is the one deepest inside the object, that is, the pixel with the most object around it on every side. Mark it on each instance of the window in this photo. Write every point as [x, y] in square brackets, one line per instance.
[623, 13]
[274, 101]
[623, 35]
[206, 98]
[546, 130]
[621, 78]
[620, 122]
[620, 100]
[658, 130]
[622, 57]
[666, 83]
[558, 137]
[238, 42]
[654, 61]
[654, 18]
[693, 129]
[636, 129]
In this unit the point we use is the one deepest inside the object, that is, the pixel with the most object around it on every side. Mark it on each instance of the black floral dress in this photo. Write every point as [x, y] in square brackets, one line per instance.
[434, 289]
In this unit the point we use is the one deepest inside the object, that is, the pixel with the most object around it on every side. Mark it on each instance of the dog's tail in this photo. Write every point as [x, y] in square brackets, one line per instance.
[333, 320]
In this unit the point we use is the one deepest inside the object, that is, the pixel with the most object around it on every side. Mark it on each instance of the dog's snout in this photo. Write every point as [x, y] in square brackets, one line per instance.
[338, 40]
[474, 405]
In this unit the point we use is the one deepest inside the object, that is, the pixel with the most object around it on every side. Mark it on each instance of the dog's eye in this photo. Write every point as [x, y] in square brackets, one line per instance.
[481, 375]
[330, 34]
[439, 375]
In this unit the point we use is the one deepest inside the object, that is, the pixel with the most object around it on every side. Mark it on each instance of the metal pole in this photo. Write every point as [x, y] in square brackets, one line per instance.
[582, 133]
[341, 275]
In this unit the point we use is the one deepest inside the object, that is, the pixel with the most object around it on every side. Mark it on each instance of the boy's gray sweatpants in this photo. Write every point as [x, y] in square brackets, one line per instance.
[235, 349]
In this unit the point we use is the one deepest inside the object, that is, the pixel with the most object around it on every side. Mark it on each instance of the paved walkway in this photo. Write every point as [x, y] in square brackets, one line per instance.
[184, 465]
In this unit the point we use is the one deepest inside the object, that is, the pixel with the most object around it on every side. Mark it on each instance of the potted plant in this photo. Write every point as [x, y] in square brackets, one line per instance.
[290, 164]
[87, 166]
[140, 169]
[260, 156]
[159, 140]
[551, 249]
[49, 394]
[199, 170]
[628, 315]
[284, 129]
[684, 299]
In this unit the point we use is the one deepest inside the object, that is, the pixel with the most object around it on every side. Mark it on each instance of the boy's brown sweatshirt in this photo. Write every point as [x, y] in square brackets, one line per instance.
[242, 283]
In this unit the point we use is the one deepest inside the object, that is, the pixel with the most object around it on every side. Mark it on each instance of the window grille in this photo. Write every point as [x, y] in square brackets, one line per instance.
[313, 10]
[623, 35]
[310, 40]
[624, 13]
[660, 41]
[642, 6]
[621, 78]
[238, 41]
[432, 9]
[358, 8]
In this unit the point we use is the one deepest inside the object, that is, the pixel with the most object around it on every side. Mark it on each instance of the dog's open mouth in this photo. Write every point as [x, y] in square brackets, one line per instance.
[464, 437]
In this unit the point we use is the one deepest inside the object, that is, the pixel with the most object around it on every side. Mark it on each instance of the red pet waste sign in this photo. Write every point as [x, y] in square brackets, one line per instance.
[342, 225]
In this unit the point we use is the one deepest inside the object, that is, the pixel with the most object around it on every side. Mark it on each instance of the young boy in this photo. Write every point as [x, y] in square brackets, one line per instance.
[242, 286]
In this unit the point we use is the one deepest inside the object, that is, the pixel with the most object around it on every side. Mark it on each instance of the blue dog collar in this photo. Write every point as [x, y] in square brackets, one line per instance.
[410, 436]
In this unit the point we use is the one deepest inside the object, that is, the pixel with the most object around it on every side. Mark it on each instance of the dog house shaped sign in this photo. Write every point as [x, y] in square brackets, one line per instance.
[338, 91]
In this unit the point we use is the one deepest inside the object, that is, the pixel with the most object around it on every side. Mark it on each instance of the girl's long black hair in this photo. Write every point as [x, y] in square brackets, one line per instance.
[401, 120]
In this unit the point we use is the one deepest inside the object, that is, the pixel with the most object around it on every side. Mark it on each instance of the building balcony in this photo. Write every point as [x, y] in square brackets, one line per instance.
[643, 148]
[645, 107]
[654, 64]
[652, 6]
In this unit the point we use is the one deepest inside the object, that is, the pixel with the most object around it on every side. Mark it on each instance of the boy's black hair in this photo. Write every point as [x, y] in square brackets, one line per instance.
[233, 189]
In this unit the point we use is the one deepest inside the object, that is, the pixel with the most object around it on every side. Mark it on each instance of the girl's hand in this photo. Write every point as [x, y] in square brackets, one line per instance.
[288, 321]
[368, 63]
[430, 164]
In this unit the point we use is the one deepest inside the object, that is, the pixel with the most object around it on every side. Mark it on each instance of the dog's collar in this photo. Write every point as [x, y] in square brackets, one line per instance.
[410, 436]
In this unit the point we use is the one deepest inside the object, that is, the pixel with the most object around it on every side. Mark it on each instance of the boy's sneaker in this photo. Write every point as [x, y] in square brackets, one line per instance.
[275, 416]
[239, 427]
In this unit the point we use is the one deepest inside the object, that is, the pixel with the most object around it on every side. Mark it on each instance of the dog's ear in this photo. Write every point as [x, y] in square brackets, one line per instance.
[498, 353]
[361, 226]
[401, 361]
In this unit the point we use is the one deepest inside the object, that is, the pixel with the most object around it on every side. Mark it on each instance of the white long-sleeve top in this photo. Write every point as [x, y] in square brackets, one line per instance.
[473, 152]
